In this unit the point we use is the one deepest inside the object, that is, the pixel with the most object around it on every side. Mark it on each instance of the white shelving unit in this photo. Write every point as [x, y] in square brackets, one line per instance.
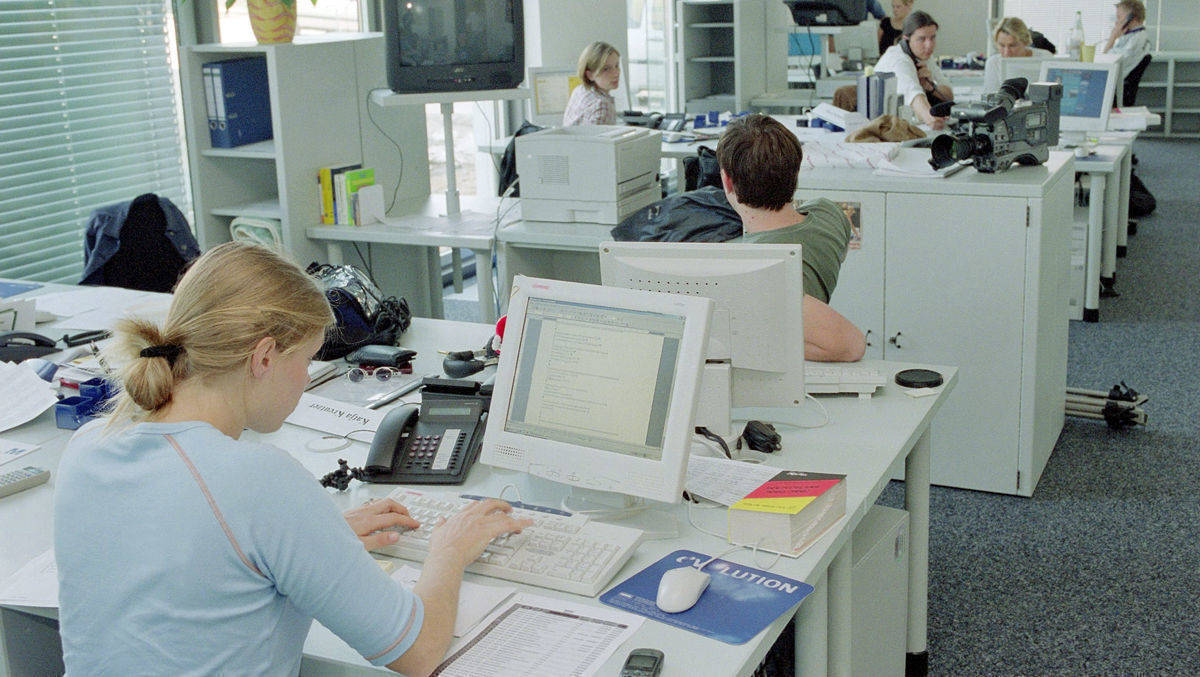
[1171, 87]
[722, 45]
[319, 90]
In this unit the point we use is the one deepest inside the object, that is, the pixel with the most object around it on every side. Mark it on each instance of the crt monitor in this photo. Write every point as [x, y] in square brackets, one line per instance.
[758, 290]
[549, 91]
[1087, 93]
[454, 45]
[596, 387]
[1028, 67]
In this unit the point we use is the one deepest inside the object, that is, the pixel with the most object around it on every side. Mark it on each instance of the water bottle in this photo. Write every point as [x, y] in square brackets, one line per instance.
[1075, 40]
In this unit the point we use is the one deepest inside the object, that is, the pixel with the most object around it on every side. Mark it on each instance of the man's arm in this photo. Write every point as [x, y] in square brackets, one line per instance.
[922, 109]
[828, 336]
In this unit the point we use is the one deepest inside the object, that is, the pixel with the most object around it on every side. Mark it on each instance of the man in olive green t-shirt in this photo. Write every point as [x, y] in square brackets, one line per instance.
[760, 162]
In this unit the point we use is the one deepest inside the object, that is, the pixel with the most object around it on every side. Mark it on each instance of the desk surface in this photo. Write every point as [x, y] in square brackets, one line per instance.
[865, 440]
[425, 223]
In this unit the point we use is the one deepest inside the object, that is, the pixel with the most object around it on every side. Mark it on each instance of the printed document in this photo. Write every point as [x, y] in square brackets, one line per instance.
[725, 481]
[24, 395]
[532, 635]
[35, 584]
[475, 601]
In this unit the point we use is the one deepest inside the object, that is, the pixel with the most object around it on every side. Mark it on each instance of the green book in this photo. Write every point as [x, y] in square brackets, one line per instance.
[356, 179]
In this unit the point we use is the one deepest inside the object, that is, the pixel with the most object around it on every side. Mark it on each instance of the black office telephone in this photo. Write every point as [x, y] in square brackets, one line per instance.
[434, 443]
[17, 346]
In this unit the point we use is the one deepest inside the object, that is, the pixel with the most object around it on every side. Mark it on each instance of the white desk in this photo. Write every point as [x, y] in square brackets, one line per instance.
[866, 440]
[428, 227]
[1108, 169]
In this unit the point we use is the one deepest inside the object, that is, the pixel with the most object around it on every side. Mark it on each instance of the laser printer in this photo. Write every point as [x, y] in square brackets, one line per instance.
[588, 174]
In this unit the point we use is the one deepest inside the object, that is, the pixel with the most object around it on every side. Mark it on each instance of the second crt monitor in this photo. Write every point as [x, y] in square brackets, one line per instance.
[596, 387]
[1087, 96]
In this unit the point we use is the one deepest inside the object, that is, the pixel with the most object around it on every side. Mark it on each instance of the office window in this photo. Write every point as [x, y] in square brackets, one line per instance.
[648, 64]
[326, 16]
[89, 116]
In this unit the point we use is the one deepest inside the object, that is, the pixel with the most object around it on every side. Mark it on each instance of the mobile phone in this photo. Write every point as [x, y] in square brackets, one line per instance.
[643, 663]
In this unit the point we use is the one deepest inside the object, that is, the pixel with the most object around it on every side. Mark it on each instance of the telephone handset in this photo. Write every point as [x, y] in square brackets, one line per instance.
[16, 346]
[436, 442]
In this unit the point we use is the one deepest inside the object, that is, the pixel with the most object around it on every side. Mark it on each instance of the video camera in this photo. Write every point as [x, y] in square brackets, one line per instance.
[1017, 124]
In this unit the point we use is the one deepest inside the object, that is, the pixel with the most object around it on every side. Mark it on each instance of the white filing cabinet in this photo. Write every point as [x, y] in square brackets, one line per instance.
[879, 593]
[973, 271]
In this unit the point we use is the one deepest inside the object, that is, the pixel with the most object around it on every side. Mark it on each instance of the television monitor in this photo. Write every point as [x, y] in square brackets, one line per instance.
[757, 328]
[1087, 96]
[550, 90]
[827, 12]
[596, 387]
[454, 45]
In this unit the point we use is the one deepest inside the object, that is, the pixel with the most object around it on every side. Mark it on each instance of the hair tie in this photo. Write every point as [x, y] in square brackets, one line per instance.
[168, 351]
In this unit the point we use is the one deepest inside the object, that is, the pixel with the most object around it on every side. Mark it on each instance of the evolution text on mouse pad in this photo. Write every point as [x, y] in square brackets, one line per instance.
[739, 602]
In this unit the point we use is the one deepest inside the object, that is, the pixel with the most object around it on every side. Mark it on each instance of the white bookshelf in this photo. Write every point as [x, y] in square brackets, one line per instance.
[1171, 87]
[319, 89]
[721, 54]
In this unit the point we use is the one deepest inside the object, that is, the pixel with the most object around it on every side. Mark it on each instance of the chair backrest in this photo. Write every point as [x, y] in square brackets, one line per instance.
[1132, 80]
[146, 259]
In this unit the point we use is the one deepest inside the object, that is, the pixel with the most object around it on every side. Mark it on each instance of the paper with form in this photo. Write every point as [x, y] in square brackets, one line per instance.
[533, 635]
[35, 584]
[11, 450]
[475, 601]
[723, 480]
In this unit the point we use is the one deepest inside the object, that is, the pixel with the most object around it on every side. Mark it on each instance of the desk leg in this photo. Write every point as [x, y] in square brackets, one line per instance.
[456, 267]
[916, 501]
[840, 581]
[1091, 299]
[812, 632]
[434, 260]
[1123, 203]
[1108, 264]
[504, 275]
[333, 252]
[483, 283]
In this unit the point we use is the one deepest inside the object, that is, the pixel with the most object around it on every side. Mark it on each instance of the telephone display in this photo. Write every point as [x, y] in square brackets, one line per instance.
[436, 442]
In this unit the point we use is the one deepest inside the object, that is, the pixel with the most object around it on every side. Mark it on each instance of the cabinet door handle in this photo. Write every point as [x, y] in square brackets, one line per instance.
[895, 340]
[867, 338]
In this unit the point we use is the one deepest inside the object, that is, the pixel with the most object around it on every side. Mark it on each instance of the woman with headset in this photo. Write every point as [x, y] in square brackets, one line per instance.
[920, 84]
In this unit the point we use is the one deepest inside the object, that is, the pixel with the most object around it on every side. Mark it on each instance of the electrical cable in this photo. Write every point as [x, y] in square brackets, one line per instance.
[399, 150]
[710, 435]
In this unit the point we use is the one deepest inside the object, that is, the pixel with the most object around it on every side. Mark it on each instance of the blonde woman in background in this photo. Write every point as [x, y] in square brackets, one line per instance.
[1012, 39]
[891, 28]
[592, 103]
[184, 549]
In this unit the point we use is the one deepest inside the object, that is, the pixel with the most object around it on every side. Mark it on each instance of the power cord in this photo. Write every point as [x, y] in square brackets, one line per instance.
[399, 150]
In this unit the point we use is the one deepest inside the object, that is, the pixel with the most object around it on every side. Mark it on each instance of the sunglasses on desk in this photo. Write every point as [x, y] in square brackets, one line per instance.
[358, 374]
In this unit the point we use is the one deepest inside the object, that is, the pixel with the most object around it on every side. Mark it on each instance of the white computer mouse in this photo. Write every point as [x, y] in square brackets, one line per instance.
[678, 589]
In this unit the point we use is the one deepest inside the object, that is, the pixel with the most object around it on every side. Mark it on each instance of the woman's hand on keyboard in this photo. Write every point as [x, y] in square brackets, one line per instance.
[463, 536]
[369, 518]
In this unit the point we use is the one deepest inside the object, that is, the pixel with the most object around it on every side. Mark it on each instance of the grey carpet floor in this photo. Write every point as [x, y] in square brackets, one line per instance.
[1099, 572]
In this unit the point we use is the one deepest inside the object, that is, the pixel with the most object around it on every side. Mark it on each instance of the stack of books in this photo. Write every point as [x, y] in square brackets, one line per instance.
[337, 189]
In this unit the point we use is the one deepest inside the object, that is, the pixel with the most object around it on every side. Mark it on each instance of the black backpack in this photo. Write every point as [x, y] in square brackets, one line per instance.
[508, 161]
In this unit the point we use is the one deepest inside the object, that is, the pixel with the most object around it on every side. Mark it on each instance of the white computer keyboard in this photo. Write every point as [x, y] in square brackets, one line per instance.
[560, 551]
[841, 378]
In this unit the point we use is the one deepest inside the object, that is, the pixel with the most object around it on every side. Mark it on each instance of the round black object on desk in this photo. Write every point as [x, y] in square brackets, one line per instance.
[918, 378]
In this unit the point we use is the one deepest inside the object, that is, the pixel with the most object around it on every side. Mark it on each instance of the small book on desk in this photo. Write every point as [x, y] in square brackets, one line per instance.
[788, 512]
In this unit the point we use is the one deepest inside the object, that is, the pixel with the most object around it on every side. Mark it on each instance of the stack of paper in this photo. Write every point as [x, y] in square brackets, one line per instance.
[23, 396]
[914, 162]
[838, 153]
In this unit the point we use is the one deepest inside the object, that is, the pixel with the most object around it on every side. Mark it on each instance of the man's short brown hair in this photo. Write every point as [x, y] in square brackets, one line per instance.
[762, 159]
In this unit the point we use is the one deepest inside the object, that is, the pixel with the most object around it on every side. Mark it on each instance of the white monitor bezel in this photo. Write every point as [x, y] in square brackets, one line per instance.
[535, 115]
[594, 469]
[752, 387]
[1075, 123]
[1034, 62]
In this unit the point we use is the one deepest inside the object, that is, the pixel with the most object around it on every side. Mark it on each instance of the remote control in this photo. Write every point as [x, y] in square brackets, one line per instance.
[20, 480]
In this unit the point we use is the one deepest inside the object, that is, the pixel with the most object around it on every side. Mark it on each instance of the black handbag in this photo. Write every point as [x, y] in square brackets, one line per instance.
[363, 316]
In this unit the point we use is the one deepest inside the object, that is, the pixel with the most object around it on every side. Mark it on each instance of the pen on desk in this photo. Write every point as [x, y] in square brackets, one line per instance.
[100, 359]
[408, 388]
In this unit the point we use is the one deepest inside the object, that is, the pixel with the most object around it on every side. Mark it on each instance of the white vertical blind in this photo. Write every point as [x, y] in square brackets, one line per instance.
[89, 116]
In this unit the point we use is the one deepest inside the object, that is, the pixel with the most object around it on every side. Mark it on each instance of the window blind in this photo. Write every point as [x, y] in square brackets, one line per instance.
[89, 116]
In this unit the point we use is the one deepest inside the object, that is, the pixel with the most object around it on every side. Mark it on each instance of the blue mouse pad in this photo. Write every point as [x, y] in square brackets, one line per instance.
[740, 601]
[8, 289]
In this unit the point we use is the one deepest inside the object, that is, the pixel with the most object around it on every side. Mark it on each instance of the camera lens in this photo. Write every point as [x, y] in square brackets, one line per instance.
[947, 149]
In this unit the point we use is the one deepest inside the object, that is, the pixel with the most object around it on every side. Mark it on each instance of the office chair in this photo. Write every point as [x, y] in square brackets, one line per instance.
[143, 252]
[1132, 80]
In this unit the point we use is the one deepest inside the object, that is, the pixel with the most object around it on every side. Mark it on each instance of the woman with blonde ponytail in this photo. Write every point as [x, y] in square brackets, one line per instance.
[183, 547]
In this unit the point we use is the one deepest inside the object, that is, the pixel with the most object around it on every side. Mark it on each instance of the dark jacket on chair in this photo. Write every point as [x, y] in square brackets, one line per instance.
[140, 244]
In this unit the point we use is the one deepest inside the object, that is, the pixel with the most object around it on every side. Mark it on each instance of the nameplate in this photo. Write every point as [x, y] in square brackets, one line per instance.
[332, 416]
